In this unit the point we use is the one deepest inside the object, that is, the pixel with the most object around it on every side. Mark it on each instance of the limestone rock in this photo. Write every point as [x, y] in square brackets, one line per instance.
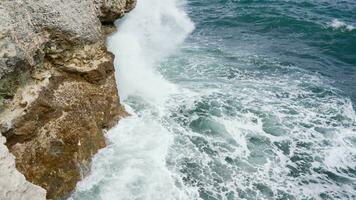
[12, 183]
[109, 10]
[57, 91]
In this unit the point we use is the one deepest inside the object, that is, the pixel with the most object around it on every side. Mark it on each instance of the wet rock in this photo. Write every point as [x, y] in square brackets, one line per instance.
[57, 91]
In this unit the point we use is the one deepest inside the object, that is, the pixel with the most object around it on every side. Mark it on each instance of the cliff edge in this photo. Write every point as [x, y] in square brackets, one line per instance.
[57, 92]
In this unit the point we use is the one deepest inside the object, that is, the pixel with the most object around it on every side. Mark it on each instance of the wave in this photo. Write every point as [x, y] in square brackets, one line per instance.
[217, 124]
[262, 137]
[151, 32]
[133, 164]
[337, 24]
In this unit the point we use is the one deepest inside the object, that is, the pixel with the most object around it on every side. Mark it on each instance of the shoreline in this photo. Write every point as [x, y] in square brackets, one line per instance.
[58, 93]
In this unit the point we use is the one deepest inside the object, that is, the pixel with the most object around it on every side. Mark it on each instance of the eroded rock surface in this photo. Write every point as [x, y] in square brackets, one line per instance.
[12, 183]
[57, 89]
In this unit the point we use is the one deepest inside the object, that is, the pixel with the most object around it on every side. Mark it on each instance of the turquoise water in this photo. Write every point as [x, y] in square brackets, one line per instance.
[318, 35]
[232, 100]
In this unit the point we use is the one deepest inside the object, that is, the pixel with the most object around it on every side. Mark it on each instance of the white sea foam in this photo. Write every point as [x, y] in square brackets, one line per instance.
[152, 31]
[215, 137]
[337, 24]
[133, 166]
[288, 135]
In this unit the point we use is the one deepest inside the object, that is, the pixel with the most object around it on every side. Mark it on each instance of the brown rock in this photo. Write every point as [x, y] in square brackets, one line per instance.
[58, 90]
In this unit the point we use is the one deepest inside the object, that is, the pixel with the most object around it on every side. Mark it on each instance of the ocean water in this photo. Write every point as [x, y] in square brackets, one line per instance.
[232, 99]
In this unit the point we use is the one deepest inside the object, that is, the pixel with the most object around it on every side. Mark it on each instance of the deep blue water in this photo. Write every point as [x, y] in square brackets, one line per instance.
[296, 33]
[232, 99]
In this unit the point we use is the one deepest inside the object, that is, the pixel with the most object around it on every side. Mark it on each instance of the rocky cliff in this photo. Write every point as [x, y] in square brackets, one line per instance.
[57, 92]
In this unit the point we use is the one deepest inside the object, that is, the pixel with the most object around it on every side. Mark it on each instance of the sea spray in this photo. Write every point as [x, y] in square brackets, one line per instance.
[146, 36]
[133, 165]
[236, 112]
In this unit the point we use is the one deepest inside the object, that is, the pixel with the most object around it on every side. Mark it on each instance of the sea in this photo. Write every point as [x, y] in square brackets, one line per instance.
[232, 99]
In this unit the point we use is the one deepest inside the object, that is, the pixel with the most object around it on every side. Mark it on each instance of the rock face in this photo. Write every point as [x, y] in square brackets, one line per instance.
[57, 91]
[12, 183]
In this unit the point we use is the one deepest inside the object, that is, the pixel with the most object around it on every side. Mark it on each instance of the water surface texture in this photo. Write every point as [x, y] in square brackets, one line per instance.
[232, 100]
